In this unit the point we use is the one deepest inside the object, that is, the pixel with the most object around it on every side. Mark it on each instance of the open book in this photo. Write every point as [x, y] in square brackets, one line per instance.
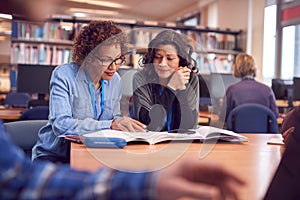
[201, 133]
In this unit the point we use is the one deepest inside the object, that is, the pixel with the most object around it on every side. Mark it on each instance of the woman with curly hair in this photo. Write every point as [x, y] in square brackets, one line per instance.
[85, 94]
[166, 91]
[248, 90]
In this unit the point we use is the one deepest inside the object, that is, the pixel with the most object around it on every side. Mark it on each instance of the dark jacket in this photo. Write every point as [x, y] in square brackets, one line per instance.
[152, 105]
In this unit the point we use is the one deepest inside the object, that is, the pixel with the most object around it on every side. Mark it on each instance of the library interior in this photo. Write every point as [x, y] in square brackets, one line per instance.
[41, 37]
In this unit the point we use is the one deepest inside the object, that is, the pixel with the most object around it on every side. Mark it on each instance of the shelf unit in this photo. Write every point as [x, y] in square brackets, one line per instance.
[50, 43]
[32, 39]
[214, 48]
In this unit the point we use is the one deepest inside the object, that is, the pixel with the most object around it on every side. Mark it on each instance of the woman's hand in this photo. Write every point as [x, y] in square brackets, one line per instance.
[128, 124]
[180, 78]
[287, 134]
[197, 179]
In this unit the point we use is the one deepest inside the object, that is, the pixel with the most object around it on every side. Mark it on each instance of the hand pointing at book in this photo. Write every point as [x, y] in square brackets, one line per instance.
[128, 124]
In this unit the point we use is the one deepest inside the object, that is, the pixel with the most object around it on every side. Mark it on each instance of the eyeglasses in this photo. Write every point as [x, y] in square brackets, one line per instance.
[108, 62]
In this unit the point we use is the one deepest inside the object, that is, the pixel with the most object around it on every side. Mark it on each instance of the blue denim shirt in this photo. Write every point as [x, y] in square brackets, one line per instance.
[71, 111]
[22, 179]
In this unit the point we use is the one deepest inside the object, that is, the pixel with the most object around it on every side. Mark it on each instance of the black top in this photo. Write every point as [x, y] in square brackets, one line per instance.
[152, 104]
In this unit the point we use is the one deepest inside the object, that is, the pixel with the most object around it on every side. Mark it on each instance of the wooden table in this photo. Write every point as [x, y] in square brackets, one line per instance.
[255, 161]
[10, 114]
[285, 103]
[207, 118]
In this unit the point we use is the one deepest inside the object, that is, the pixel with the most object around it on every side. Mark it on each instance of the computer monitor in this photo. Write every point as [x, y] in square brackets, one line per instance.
[296, 88]
[282, 88]
[204, 82]
[34, 79]
[219, 82]
[204, 100]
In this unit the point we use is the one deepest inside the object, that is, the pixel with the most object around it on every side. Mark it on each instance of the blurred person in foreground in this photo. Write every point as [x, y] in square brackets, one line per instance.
[22, 179]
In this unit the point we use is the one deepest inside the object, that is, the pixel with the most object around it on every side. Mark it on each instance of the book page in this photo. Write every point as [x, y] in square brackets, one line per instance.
[275, 141]
[128, 136]
[151, 137]
[209, 132]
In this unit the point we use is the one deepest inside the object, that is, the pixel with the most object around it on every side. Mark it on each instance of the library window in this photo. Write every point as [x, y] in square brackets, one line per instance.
[289, 28]
[288, 52]
[290, 65]
[192, 20]
[269, 39]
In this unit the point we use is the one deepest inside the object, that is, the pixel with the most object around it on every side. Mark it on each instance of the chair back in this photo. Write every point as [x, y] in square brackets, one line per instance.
[35, 113]
[127, 77]
[24, 133]
[17, 99]
[37, 102]
[127, 90]
[252, 118]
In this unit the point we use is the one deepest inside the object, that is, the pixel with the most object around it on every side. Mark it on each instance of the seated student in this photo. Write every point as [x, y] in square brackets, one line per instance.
[85, 95]
[290, 123]
[22, 179]
[248, 90]
[166, 91]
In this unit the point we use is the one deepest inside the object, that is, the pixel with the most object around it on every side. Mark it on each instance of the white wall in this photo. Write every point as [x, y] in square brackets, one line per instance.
[234, 14]
[258, 34]
[5, 51]
[212, 15]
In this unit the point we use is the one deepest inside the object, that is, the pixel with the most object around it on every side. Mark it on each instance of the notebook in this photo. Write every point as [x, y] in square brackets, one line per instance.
[286, 181]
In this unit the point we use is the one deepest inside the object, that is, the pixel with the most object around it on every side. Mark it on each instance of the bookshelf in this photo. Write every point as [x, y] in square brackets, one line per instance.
[215, 49]
[41, 44]
[50, 43]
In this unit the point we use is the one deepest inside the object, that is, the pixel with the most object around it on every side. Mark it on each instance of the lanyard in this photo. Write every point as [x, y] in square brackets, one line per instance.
[102, 97]
[169, 115]
[92, 93]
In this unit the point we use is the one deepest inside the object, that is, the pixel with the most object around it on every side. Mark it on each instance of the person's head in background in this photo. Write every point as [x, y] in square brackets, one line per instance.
[169, 51]
[244, 66]
[100, 47]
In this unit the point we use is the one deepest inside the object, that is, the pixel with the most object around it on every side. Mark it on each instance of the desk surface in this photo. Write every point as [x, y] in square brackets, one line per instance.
[10, 114]
[255, 161]
[207, 118]
[285, 103]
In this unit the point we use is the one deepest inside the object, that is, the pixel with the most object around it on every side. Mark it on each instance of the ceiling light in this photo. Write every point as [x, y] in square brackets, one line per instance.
[101, 3]
[92, 11]
[79, 14]
[5, 16]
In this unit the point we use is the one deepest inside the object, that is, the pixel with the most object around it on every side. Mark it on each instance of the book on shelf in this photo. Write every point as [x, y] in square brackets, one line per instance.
[202, 41]
[47, 31]
[202, 133]
[23, 53]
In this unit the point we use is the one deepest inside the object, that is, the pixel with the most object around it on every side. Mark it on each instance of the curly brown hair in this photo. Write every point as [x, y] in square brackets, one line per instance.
[93, 34]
